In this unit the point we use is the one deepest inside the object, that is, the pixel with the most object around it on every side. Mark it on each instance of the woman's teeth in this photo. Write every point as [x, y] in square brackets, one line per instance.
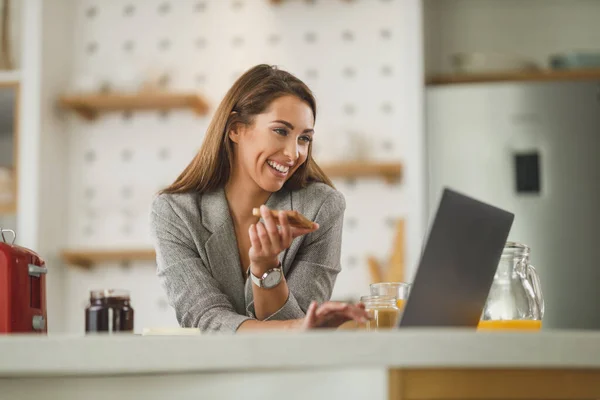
[281, 168]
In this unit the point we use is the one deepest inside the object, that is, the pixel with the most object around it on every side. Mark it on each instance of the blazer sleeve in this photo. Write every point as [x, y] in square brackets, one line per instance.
[190, 288]
[315, 268]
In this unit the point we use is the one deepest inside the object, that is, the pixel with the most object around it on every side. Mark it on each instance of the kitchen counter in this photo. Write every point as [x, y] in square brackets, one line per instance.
[411, 364]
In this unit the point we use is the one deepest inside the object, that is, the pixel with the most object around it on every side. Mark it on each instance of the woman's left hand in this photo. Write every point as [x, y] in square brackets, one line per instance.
[333, 314]
[268, 241]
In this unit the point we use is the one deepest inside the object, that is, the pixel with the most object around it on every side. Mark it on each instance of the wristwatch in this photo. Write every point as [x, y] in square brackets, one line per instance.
[269, 279]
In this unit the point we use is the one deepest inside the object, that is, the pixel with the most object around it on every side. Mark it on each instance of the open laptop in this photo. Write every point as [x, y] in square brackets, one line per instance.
[458, 263]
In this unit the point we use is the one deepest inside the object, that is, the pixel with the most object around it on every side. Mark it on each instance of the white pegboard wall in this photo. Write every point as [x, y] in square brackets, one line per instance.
[350, 53]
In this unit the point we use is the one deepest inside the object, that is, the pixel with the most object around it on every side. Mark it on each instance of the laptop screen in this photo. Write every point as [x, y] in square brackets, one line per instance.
[458, 263]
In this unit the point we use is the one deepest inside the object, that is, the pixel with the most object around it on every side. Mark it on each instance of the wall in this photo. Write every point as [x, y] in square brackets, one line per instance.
[8, 221]
[352, 54]
[43, 146]
[531, 28]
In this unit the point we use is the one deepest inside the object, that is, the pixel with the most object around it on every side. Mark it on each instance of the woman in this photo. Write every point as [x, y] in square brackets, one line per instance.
[222, 268]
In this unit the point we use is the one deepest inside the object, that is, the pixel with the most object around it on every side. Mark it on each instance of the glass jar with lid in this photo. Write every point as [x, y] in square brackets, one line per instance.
[109, 311]
[383, 311]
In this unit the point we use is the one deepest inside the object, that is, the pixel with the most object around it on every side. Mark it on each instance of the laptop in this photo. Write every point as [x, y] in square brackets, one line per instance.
[458, 263]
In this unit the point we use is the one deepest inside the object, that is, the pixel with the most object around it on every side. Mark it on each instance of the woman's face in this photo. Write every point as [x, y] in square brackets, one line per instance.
[271, 149]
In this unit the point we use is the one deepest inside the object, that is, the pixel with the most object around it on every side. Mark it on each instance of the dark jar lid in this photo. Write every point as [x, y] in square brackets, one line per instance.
[109, 294]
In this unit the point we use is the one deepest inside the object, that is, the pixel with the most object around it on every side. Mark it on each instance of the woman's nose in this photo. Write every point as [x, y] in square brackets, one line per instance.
[291, 150]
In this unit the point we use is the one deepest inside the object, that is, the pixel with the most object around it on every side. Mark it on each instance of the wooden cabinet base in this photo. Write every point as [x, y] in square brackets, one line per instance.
[505, 384]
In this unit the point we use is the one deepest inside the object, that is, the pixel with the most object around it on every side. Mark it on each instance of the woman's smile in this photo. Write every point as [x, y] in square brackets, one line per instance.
[278, 169]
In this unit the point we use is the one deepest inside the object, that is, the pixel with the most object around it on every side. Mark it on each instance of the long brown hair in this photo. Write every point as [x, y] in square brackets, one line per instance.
[249, 96]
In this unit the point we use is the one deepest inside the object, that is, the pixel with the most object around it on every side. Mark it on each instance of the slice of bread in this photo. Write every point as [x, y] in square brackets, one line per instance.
[295, 219]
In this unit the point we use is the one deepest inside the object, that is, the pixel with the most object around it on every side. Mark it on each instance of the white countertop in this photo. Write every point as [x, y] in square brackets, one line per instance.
[129, 354]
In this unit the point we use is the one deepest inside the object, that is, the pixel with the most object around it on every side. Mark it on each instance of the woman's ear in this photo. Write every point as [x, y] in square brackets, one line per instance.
[234, 133]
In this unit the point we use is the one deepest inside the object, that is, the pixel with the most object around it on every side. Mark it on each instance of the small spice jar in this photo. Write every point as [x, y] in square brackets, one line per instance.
[109, 311]
[383, 311]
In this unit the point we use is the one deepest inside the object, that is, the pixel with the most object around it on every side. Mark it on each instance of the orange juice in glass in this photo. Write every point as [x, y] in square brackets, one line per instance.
[399, 290]
[510, 325]
[382, 310]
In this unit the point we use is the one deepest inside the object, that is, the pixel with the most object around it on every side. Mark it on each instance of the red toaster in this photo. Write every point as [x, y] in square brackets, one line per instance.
[22, 289]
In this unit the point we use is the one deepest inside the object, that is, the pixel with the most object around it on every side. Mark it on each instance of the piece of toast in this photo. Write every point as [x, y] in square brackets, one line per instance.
[295, 219]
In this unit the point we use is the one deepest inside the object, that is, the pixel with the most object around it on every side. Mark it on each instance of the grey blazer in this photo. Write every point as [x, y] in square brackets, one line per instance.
[199, 265]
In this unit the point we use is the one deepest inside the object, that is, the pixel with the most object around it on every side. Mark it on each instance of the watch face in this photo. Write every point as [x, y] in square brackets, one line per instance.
[272, 279]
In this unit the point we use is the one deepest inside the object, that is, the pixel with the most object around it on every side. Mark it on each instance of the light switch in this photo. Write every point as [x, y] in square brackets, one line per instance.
[527, 172]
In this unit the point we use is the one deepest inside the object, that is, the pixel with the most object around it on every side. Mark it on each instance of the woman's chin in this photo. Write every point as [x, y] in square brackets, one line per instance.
[271, 185]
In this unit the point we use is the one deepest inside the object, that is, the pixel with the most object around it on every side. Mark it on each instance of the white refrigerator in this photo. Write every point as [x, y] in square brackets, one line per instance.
[533, 149]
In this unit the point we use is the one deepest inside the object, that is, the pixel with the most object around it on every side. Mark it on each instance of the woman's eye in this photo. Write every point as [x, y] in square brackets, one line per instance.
[305, 139]
[281, 131]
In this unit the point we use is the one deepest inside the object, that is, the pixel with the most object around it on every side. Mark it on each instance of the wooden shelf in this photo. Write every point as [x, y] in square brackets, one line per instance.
[525, 76]
[90, 105]
[390, 172]
[8, 208]
[10, 77]
[87, 258]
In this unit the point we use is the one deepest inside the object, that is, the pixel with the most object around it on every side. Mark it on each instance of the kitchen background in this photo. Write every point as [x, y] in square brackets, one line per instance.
[392, 97]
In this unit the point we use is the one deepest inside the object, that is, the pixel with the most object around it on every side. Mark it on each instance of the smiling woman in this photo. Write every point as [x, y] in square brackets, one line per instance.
[223, 269]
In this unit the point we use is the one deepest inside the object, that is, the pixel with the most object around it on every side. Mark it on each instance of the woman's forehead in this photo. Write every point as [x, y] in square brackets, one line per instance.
[290, 109]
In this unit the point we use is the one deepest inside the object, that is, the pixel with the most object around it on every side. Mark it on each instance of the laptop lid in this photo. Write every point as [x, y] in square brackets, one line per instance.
[458, 263]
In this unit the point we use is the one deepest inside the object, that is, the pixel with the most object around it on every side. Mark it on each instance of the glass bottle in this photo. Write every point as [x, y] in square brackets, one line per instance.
[109, 311]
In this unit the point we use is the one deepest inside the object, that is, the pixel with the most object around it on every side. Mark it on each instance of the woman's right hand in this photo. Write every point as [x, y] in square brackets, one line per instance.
[332, 315]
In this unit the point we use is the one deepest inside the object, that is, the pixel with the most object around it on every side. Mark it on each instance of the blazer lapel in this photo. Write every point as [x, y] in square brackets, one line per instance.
[221, 247]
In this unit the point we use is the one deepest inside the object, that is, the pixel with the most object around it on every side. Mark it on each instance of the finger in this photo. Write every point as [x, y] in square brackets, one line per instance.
[358, 314]
[286, 234]
[343, 310]
[254, 239]
[337, 321]
[333, 318]
[263, 236]
[310, 319]
[271, 227]
[331, 308]
[356, 311]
